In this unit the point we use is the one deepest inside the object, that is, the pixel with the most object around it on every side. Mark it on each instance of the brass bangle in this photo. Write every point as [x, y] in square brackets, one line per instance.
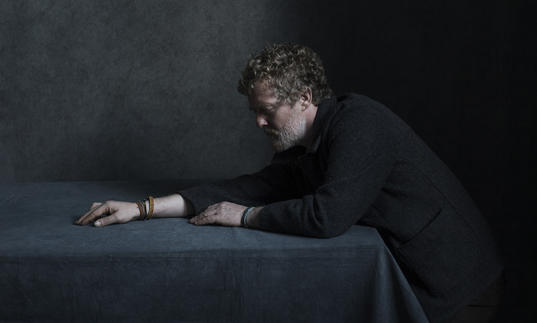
[151, 207]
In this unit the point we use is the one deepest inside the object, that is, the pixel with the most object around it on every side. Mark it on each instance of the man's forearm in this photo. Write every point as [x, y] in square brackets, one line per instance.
[172, 206]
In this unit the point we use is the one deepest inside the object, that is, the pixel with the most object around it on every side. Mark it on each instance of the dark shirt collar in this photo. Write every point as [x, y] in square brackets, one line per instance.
[324, 110]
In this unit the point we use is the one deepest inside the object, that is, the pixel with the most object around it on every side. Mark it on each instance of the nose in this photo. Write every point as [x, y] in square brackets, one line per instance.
[261, 121]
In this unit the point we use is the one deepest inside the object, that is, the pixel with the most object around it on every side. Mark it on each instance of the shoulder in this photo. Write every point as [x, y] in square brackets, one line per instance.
[360, 114]
[355, 98]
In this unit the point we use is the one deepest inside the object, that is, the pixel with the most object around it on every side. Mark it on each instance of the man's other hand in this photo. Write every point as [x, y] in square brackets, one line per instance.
[223, 213]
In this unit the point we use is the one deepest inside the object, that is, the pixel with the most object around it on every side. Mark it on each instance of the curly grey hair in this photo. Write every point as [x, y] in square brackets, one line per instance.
[288, 70]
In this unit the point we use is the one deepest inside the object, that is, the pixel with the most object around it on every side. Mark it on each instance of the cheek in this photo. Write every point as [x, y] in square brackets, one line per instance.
[278, 122]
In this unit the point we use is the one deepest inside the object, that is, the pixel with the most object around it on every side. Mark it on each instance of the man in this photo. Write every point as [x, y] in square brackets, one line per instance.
[341, 161]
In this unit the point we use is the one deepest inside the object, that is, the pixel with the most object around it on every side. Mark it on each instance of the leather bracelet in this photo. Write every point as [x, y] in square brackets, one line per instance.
[244, 218]
[141, 209]
[145, 209]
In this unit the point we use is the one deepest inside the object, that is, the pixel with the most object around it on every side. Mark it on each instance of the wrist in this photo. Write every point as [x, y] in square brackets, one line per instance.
[253, 218]
[146, 208]
[245, 214]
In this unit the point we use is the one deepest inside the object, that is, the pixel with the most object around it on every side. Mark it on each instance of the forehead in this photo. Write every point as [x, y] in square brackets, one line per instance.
[261, 93]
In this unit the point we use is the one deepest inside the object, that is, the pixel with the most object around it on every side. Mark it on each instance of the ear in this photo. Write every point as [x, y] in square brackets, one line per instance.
[306, 98]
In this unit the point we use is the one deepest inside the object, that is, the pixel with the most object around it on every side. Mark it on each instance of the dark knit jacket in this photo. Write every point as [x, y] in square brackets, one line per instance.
[368, 167]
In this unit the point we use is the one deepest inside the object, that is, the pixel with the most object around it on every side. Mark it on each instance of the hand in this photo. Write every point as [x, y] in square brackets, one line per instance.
[118, 212]
[223, 213]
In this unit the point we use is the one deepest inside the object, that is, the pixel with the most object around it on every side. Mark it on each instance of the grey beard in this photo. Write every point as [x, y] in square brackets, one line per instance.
[290, 135]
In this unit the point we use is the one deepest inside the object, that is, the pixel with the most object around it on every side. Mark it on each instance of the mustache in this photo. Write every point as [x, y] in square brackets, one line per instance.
[270, 132]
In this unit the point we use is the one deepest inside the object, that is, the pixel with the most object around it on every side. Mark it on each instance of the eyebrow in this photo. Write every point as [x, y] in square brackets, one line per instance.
[263, 106]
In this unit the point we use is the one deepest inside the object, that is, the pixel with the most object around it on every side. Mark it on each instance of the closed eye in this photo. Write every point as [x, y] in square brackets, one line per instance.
[262, 110]
[268, 109]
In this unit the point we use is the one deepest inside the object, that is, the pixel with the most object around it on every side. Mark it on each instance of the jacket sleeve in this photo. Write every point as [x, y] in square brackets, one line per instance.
[275, 182]
[361, 151]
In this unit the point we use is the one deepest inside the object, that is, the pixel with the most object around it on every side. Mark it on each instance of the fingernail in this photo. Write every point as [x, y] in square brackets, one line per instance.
[98, 223]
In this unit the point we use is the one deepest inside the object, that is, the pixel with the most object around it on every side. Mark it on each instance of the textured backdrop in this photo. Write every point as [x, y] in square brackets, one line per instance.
[116, 89]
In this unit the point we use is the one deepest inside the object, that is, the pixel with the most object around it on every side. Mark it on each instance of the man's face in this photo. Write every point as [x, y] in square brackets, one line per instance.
[284, 124]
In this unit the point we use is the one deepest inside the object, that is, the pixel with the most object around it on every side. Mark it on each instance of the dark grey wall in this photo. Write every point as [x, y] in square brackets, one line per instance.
[128, 89]
[94, 90]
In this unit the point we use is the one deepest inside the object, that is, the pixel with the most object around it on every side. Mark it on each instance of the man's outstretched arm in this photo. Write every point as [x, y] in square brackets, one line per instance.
[272, 183]
[122, 212]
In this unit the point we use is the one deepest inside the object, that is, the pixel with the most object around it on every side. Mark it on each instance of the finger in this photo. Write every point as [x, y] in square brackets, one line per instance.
[202, 218]
[99, 211]
[82, 218]
[209, 220]
[107, 220]
[210, 208]
[194, 220]
[95, 204]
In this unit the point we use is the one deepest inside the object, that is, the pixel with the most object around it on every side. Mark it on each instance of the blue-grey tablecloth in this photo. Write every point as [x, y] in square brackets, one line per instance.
[167, 270]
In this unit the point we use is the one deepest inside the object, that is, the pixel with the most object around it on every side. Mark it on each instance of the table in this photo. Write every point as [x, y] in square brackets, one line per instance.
[167, 270]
